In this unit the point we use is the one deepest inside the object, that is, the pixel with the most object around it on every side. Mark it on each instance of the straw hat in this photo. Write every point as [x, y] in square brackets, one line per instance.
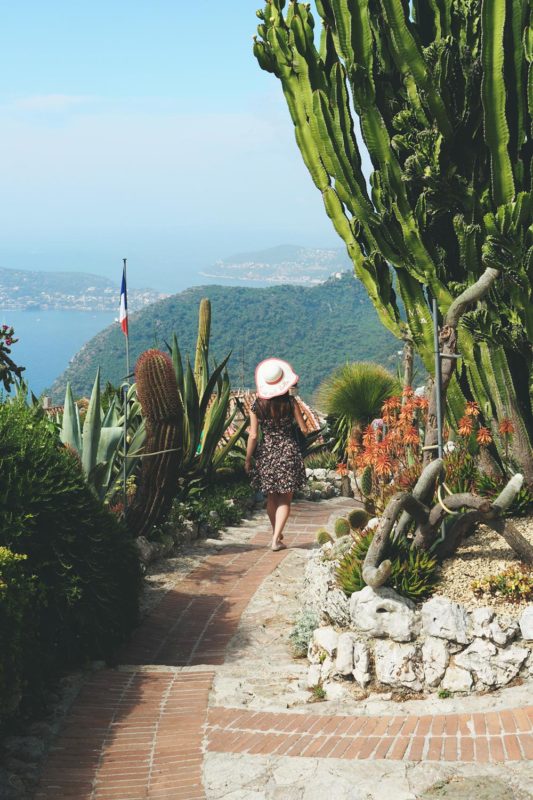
[274, 377]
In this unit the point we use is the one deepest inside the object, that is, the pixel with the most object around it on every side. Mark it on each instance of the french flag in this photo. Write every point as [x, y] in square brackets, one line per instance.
[123, 316]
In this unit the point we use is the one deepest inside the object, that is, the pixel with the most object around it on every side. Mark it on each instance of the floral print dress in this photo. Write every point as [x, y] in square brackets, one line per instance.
[279, 465]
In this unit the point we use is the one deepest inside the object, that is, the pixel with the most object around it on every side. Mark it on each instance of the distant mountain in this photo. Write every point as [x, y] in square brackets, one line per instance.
[282, 264]
[72, 291]
[316, 328]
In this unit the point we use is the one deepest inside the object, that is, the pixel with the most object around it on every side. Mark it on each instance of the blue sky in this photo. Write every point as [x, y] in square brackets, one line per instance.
[146, 130]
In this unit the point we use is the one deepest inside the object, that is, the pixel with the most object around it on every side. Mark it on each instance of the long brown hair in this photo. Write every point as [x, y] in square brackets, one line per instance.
[275, 408]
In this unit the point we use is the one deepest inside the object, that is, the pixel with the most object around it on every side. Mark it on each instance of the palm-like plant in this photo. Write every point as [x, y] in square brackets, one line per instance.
[441, 92]
[352, 397]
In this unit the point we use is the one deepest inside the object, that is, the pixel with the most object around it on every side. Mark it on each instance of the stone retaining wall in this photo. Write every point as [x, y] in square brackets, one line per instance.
[378, 638]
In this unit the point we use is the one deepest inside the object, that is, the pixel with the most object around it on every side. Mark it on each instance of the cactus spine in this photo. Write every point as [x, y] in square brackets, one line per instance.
[202, 344]
[442, 93]
[158, 394]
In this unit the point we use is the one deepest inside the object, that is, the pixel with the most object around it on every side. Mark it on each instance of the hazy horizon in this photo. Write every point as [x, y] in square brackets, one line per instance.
[149, 133]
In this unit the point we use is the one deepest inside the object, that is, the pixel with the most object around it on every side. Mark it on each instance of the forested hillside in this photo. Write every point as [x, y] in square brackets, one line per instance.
[316, 328]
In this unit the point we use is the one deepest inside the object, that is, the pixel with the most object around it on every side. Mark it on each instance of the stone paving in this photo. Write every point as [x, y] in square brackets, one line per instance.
[148, 730]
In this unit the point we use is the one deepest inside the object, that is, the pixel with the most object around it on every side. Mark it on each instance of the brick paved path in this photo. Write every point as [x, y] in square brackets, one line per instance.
[140, 731]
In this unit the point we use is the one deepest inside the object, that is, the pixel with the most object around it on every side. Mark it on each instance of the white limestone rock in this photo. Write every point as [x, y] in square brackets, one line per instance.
[398, 665]
[320, 474]
[328, 669]
[480, 620]
[372, 523]
[457, 680]
[446, 620]
[326, 639]
[435, 657]
[313, 675]
[384, 614]
[344, 663]
[361, 659]
[484, 625]
[526, 623]
[337, 608]
[491, 666]
[502, 636]
[319, 578]
[334, 690]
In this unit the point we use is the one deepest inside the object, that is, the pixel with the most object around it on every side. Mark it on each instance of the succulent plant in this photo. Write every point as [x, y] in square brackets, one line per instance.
[358, 518]
[441, 92]
[365, 481]
[163, 412]
[323, 536]
[413, 574]
[341, 527]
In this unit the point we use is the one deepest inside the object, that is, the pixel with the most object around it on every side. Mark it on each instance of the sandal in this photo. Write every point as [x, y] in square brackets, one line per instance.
[279, 546]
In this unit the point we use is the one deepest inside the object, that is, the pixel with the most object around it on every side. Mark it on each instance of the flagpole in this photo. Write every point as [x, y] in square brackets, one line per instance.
[125, 387]
[127, 335]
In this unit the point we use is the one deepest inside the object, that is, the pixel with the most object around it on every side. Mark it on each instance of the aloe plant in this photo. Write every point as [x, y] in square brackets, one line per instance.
[441, 93]
[99, 439]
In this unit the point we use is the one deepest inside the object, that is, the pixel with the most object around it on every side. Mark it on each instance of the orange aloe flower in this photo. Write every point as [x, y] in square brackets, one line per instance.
[391, 403]
[472, 409]
[342, 469]
[483, 436]
[411, 435]
[465, 426]
[383, 464]
[506, 427]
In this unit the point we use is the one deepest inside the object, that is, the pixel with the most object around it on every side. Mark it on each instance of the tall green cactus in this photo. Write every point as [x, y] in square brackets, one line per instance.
[157, 390]
[201, 369]
[442, 94]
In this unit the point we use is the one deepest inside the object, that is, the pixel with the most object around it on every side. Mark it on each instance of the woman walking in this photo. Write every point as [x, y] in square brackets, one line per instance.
[279, 468]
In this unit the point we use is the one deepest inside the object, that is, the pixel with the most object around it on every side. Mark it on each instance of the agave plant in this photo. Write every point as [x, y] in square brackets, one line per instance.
[441, 92]
[99, 438]
[206, 416]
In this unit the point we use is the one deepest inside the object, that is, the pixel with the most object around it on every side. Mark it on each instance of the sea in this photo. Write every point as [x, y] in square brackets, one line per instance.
[48, 340]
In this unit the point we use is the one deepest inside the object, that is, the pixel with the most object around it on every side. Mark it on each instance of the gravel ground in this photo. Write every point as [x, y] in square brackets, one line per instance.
[482, 554]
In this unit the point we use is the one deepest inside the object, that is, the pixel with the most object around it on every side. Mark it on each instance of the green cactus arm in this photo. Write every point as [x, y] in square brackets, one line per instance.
[409, 59]
[519, 10]
[92, 427]
[70, 426]
[202, 343]
[493, 97]
[528, 50]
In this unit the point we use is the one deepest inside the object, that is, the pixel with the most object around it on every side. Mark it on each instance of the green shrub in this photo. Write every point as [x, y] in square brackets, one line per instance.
[413, 574]
[218, 505]
[85, 564]
[17, 628]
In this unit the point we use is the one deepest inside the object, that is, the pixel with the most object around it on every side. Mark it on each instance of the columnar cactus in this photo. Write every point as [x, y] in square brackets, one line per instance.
[157, 391]
[202, 344]
[442, 95]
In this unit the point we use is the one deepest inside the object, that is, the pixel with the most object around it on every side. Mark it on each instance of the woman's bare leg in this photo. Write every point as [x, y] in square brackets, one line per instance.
[283, 511]
[271, 509]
